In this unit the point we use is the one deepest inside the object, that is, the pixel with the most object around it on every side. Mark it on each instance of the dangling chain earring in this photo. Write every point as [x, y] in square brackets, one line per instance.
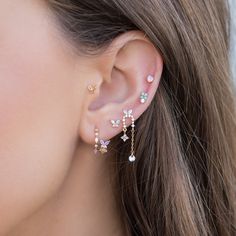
[128, 114]
[96, 140]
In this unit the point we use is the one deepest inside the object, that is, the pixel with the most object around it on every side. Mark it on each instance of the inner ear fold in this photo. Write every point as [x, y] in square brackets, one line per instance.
[114, 90]
[124, 68]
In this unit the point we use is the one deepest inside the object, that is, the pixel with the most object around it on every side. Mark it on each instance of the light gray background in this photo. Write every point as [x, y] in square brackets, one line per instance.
[233, 36]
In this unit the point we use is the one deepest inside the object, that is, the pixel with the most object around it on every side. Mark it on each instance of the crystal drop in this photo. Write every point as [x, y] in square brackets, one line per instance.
[131, 158]
[124, 137]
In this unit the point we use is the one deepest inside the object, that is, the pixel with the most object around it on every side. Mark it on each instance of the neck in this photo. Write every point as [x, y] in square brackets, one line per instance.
[84, 204]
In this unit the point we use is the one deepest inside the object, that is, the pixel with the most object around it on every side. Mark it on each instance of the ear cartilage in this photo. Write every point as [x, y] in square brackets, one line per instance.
[150, 79]
[91, 88]
[115, 123]
[143, 97]
[128, 114]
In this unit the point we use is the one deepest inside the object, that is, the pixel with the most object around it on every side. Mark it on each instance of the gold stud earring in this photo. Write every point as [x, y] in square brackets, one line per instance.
[91, 88]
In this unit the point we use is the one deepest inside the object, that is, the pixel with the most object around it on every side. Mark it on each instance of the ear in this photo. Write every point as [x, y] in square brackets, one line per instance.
[122, 72]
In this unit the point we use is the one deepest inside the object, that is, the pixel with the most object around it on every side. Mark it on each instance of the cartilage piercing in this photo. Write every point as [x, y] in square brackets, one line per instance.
[150, 78]
[91, 88]
[143, 97]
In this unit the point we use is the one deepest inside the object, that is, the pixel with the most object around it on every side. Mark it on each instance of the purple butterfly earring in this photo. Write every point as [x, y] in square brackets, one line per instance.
[103, 143]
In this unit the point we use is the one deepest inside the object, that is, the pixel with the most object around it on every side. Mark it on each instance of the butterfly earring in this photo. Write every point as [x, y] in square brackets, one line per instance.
[115, 123]
[103, 143]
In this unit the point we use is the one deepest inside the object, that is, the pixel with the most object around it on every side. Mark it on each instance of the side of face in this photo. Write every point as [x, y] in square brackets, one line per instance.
[45, 107]
[38, 109]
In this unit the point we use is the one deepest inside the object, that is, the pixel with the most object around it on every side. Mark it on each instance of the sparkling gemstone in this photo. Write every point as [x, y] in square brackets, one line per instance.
[124, 137]
[150, 79]
[131, 158]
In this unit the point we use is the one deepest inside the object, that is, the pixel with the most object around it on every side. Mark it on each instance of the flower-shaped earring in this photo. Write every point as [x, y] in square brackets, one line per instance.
[143, 97]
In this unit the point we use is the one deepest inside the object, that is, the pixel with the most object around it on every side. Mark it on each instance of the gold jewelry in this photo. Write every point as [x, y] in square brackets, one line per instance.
[103, 143]
[91, 88]
[128, 114]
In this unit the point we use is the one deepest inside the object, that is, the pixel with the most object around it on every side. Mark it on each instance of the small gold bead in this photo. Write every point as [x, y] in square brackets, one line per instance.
[91, 88]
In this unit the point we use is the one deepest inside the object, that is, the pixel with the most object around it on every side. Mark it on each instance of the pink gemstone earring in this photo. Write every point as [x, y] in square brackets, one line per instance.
[150, 79]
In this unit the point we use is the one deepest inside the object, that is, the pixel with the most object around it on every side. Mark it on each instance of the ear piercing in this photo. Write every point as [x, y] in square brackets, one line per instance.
[128, 114]
[91, 88]
[103, 143]
[96, 140]
[150, 79]
[124, 137]
[143, 97]
[115, 123]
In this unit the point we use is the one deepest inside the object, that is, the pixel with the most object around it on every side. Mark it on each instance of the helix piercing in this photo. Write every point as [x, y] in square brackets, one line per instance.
[150, 78]
[143, 97]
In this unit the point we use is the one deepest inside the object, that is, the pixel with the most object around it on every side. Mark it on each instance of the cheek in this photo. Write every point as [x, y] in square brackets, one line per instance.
[37, 123]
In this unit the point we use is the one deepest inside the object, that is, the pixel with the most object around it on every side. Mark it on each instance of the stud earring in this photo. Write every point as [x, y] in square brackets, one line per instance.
[128, 114]
[150, 79]
[91, 88]
[115, 123]
[143, 97]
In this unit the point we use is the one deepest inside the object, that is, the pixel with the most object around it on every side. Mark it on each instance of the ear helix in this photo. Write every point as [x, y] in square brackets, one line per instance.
[102, 145]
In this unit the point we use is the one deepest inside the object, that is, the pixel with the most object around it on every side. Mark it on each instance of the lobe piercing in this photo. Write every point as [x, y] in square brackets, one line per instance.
[115, 123]
[150, 79]
[128, 114]
[96, 140]
[143, 97]
[103, 143]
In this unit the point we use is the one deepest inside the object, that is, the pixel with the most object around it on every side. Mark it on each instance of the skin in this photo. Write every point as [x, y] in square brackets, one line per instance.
[51, 183]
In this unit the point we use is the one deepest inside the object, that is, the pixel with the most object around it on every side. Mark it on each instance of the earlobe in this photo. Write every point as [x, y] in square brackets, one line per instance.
[130, 78]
